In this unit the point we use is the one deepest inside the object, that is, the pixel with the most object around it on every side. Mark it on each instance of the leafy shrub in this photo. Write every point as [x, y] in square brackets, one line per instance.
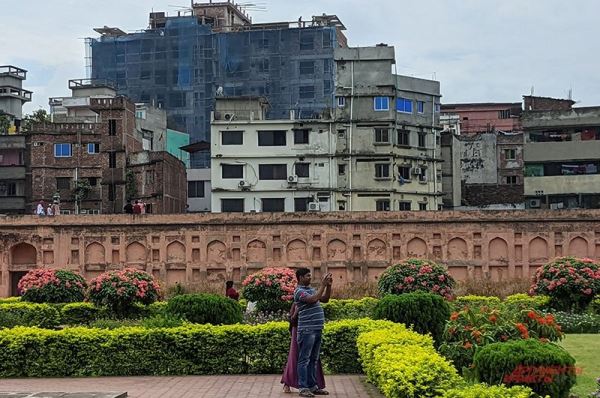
[461, 302]
[416, 275]
[111, 323]
[571, 283]
[79, 313]
[544, 367]
[162, 321]
[272, 289]
[45, 285]
[485, 391]
[596, 394]
[120, 290]
[157, 308]
[578, 323]
[489, 287]
[425, 312]
[522, 301]
[349, 309]
[595, 306]
[10, 300]
[28, 314]
[260, 317]
[205, 308]
[471, 328]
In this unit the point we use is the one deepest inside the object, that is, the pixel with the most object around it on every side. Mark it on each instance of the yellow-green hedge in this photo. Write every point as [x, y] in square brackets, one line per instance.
[485, 391]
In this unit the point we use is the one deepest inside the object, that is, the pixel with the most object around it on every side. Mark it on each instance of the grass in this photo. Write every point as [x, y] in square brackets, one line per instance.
[585, 349]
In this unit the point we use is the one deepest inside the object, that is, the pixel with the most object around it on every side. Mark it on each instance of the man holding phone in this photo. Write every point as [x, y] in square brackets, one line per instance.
[311, 319]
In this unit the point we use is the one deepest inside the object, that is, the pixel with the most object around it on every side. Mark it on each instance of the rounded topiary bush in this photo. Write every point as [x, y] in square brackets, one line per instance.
[546, 368]
[205, 308]
[120, 290]
[426, 312]
[79, 313]
[45, 285]
[571, 283]
[413, 275]
[272, 289]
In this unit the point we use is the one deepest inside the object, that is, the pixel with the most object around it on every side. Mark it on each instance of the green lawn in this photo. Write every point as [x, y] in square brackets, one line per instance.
[586, 350]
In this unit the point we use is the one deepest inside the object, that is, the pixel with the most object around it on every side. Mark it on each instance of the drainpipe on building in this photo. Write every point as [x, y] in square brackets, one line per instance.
[350, 136]
[435, 197]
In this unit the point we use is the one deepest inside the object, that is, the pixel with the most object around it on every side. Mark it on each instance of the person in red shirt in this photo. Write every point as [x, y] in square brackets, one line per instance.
[137, 209]
[230, 291]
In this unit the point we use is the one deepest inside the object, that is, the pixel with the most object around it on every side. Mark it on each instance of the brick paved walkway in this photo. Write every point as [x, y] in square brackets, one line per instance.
[243, 386]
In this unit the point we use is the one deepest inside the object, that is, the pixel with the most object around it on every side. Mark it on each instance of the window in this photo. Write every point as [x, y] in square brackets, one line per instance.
[232, 138]
[301, 204]
[272, 138]
[302, 170]
[420, 106]
[273, 204]
[423, 206]
[307, 67]
[93, 148]
[307, 42]
[423, 175]
[93, 181]
[505, 114]
[112, 160]
[232, 171]
[437, 108]
[382, 170]
[341, 102]
[404, 206]
[301, 136]
[403, 173]
[422, 139]
[149, 177]
[510, 154]
[8, 189]
[382, 205]
[404, 105]
[195, 189]
[382, 136]
[404, 137]
[306, 92]
[112, 127]
[512, 180]
[381, 104]
[232, 205]
[272, 172]
[63, 182]
[62, 150]
[341, 169]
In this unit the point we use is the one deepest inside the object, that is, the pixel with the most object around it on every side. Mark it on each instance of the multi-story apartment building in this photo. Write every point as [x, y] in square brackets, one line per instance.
[182, 61]
[13, 187]
[561, 154]
[478, 118]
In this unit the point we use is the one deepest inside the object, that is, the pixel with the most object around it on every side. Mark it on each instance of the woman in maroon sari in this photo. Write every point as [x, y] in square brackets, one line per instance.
[290, 373]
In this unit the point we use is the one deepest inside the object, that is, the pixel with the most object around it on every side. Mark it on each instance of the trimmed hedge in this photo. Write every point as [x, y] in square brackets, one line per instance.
[79, 313]
[28, 314]
[205, 308]
[522, 301]
[544, 367]
[485, 391]
[475, 301]
[349, 308]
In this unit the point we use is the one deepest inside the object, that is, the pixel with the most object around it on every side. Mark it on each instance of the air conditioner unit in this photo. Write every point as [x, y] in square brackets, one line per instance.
[229, 116]
[293, 179]
[535, 203]
[244, 184]
[417, 171]
[556, 206]
[38, 143]
[314, 206]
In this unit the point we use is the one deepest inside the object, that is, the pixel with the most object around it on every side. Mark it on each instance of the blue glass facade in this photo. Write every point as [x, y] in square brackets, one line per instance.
[180, 68]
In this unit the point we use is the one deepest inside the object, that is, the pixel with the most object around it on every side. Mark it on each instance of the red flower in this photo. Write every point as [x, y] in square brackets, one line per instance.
[493, 318]
[454, 316]
[467, 345]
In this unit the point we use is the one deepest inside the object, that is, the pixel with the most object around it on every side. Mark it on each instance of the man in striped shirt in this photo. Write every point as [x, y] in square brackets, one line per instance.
[311, 319]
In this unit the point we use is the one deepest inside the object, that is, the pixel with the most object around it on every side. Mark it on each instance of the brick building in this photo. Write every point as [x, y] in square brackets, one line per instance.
[486, 117]
[89, 161]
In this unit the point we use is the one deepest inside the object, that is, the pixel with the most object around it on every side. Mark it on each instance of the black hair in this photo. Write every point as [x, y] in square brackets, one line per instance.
[300, 272]
[229, 284]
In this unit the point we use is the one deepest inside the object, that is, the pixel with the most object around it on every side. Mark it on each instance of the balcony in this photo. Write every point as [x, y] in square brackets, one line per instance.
[560, 151]
[563, 184]
[15, 92]
[8, 203]
[12, 172]
[13, 71]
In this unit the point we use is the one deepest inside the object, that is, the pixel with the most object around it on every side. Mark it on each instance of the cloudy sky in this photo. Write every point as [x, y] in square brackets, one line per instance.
[480, 50]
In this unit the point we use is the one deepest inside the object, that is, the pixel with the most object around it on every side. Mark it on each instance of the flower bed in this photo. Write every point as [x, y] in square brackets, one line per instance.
[272, 289]
[413, 275]
[47, 285]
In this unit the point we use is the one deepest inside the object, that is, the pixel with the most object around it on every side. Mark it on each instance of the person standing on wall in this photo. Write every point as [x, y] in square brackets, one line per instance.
[311, 320]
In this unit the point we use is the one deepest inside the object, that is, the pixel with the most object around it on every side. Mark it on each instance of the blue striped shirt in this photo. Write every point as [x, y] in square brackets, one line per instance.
[310, 316]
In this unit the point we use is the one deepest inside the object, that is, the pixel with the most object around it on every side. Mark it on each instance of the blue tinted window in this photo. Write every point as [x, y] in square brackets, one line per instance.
[381, 103]
[62, 150]
[404, 105]
[420, 106]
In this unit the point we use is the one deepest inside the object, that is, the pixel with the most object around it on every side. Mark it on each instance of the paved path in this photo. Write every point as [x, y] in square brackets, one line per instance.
[243, 386]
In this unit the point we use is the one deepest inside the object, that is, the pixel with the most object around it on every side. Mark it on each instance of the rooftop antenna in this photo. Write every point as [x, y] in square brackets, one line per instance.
[571, 94]
[532, 91]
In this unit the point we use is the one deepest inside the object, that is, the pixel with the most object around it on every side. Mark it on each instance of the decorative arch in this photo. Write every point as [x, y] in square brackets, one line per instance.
[457, 249]
[578, 247]
[23, 254]
[498, 250]
[296, 250]
[176, 252]
[376, 250]
[136, 253]
[215, 252]
[256, 251]
[95, 253]
[538, 250]
[336, 250]
[416, 247]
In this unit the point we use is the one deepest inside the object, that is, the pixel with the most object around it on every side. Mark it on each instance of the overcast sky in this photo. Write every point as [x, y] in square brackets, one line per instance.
[480, 50]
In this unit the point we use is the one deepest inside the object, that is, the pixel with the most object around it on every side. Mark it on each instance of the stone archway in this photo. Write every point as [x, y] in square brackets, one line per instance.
[23, 257]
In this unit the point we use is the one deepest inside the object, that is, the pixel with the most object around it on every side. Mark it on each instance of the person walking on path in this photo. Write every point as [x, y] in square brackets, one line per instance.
[290, 373]
[311, 319]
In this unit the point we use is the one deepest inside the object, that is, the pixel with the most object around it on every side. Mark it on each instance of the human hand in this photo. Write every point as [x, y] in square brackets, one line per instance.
[327, 278]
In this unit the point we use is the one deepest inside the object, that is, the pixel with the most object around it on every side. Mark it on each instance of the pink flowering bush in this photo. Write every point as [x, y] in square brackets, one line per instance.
[571, 283]
[45, 285]
[413, 275]
[120, 290]
[272, 289]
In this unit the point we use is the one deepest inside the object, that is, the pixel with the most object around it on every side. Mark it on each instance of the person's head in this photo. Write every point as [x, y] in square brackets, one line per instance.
[303, 276]
[137, 201]
[228, 284]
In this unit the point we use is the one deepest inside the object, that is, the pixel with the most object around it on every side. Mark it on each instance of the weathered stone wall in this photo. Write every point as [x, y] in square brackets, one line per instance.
[353, 246]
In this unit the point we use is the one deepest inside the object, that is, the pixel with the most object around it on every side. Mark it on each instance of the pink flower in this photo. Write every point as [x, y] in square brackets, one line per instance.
[587, 291]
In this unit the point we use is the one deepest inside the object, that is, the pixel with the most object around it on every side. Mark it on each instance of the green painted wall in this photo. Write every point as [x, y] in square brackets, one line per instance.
[175, 140]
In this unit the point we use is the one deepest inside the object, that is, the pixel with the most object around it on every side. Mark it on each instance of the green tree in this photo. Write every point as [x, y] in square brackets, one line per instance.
[39, 116]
